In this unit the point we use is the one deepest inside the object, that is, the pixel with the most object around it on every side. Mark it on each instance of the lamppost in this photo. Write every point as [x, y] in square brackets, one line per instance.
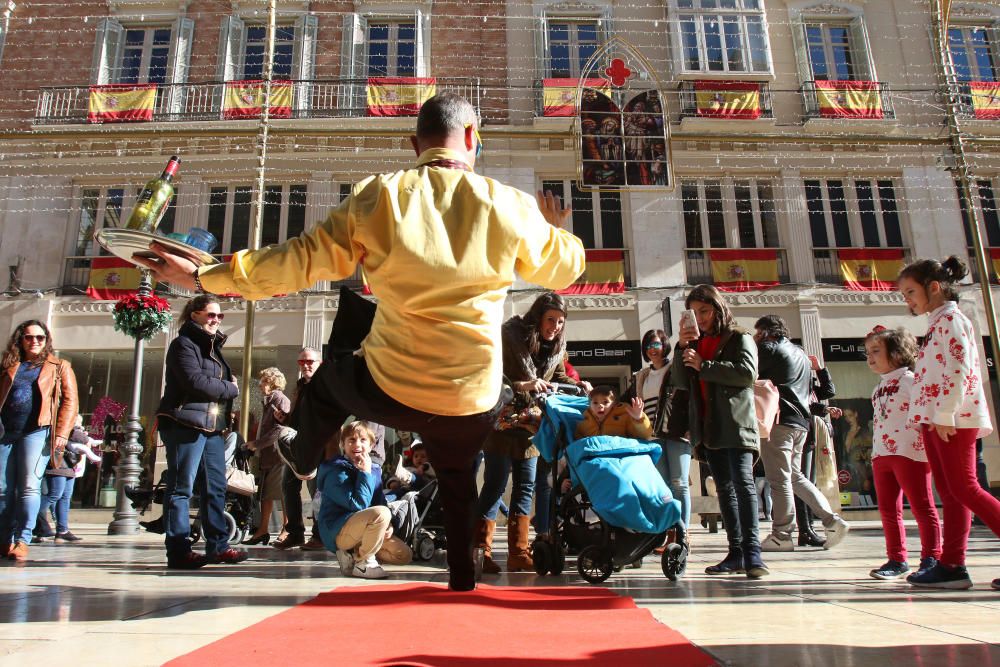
[126, 521]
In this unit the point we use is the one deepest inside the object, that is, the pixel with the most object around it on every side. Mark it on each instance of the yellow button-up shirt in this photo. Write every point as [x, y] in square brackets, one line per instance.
[439, 248]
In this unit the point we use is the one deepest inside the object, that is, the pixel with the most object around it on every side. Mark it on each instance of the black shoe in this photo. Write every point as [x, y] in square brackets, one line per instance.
[925, 564]
[230, 556]
[731, 564]
[809, 538]
[995, 584]
[892, 569]
[941, 576]
[155, 526]
[43, 528]
[289, 542]
[283, 446]
[67, 537]
[754, 564]
[187, 561]
[260, 539]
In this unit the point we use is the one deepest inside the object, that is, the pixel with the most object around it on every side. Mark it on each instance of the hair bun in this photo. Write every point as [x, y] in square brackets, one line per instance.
[955, 268]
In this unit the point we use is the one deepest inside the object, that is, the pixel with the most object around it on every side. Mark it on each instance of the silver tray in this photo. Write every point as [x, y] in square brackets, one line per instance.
[125, 243]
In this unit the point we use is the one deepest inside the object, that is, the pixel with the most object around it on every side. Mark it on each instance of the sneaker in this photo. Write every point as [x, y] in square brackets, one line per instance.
[892, 569]
[230, 556]
[942, 576]
[370, 569]
[774, 543]
[836, 532]
[925, 564]
[314, 544]
[346, 561]
[187, 561]
[755, 566]
[283, 446]
[18, 552]
[67, 537]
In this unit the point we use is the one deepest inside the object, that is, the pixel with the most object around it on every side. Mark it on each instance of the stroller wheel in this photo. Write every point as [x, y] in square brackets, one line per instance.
[594, 564]
[195, 533]
[674, 561]
[541, 555]
[558, 563]
[425, 548]
[232, 530]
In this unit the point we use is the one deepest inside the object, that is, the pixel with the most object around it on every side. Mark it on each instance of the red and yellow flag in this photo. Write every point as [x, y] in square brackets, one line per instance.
[985, 99]
[605, 274]
[849, 99]
[112, 278]
[744, 269]
[727, 99]
[559, 95]
[870, 269]
[995, 261]
[245, 99]
[399, 95]
[120, 103]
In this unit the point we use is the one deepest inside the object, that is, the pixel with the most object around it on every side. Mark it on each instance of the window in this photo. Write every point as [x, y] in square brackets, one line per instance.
[392, 49]
[722, 36]
[854, 213]
[145, 55]
[571, 44]
[230, 208]
[256, 49]
[972, 53]
[830, 52]
[99, 208]
[729, 213]
[985, 198]
[597, 216]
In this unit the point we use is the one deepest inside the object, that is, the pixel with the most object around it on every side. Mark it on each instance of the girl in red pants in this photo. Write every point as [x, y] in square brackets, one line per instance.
[949, 405]
[899, 461]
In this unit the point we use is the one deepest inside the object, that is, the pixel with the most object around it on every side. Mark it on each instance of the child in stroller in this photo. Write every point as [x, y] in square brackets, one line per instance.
[618, 508]
[239, 505]
[417, 514]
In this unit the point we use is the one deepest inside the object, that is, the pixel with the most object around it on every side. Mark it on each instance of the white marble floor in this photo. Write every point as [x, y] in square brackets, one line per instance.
[110, 600]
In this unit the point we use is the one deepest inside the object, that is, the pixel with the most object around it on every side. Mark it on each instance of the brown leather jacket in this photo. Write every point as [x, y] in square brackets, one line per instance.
[65, 411]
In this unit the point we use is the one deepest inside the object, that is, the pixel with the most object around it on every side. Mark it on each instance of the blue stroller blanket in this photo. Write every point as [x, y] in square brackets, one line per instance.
[619, 474]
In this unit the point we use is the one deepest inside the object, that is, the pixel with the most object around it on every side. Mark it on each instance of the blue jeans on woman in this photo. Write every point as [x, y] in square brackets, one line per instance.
[58, 496]
[27, 457]
[498, 467]
[675, 467]
[195, 459]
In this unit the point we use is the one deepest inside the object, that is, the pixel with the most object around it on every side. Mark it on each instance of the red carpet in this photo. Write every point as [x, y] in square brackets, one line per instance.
[424, 624]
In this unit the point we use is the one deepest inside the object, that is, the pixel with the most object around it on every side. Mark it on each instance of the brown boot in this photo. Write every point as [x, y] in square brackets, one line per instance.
[484, 541]
[519, 553]
[18, 552]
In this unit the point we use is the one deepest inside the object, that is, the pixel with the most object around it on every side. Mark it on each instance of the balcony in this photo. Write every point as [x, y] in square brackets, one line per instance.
[316, 98]
[76, 279]
[698, 264]
[827, 264]
[847, 100]
[978, 100]
[725, 101]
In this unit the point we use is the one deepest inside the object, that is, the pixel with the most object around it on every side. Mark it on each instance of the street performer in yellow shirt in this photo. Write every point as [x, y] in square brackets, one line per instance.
[439, 246]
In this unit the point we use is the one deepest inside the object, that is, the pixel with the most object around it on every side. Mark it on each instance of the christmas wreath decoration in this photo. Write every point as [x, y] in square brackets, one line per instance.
[142, 317]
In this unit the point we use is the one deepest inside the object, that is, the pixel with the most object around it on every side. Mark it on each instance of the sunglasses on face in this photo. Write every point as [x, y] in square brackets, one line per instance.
[308, 362]
[215, 316]
[28, 337]
[655, 346]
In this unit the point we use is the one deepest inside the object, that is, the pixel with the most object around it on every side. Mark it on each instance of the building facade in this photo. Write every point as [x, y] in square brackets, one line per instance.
[792, 178]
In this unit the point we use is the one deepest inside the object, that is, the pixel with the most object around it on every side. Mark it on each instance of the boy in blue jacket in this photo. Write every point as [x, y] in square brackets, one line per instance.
[354, 521]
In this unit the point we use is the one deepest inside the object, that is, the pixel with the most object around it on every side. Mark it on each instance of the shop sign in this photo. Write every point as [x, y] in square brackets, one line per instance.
[844, 477]
[844, 349]
[605, 353]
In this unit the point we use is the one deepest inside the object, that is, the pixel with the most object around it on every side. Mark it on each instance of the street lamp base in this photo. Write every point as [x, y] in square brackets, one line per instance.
[128, 526]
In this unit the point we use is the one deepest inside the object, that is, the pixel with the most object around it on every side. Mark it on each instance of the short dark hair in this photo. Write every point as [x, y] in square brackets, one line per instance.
[603, 390]
[926, 271]
[772, 326]
[445, 115]
[650, 336]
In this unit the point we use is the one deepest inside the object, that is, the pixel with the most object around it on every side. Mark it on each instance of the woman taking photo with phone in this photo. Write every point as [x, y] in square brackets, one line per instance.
[718, 361]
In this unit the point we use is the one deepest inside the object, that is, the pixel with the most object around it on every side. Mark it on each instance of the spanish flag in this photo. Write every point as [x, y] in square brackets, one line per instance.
[744, 269]
[849, 99]
[559, 95]
[399, 96]
[605, 274]
[120, 103]
[245, 99]
[985, 99]
[727, 99]
[112, 278]
[995, 260]
[870, 269]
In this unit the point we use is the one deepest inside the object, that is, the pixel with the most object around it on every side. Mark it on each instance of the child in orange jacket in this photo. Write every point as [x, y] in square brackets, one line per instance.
[605, 416]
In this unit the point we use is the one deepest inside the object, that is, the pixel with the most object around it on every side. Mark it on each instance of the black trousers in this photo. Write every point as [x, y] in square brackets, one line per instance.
[343, 386]
[733, 473]
[291, 499]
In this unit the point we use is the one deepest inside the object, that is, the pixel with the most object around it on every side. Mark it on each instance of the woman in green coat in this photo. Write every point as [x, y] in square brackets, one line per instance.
[718, 362]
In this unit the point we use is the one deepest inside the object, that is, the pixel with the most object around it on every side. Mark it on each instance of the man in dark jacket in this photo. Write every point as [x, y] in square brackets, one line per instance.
[786, 365]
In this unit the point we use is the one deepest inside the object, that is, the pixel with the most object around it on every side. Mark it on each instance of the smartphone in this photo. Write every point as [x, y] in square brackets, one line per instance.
[688, 320]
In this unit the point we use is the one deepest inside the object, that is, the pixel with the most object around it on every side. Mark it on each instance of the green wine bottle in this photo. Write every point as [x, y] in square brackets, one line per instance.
[153, 200]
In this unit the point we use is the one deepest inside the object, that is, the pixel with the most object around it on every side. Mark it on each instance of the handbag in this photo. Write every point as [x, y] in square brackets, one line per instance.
[240, 482]
[765, 403]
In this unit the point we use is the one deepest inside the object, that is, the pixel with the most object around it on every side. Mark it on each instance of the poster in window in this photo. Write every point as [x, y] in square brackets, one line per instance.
[852, 439]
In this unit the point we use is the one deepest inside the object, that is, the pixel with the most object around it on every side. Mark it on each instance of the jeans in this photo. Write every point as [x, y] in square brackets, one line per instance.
[782, 455]
[733, 473]
[675, 467]
[195, 459]
[343, 386]
[27, 458]
[291, 503]
[498, 467]
[58, 497]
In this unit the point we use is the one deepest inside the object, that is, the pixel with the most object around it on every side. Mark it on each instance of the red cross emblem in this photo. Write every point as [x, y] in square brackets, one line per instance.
[618, 73]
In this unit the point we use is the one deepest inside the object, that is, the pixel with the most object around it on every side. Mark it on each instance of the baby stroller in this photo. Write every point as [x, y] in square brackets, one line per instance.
[619, 509]
[418, 519]
[239, 506]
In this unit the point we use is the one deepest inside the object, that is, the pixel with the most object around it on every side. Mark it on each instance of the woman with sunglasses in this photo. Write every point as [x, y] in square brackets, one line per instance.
[194, 411]
[652, 385]
[39, 403]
